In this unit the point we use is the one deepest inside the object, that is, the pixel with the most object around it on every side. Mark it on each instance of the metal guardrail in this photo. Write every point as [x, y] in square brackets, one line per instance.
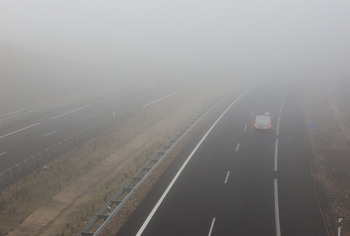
[103, 218]
[33, 163]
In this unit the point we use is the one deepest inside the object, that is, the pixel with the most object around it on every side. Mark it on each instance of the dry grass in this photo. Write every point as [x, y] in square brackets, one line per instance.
[329, 144]
[106, 162]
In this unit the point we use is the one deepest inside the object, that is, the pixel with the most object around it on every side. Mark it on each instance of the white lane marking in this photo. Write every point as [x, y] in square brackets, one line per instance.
[19, 130]
[165, 97]
[277, 211]
[276, 155]
[88, 117]
[245, 127]
[108, 99]
[237, 146]
[49, 133]
[69, 112]
[4, 153]
[155, 208]
[211, 227]
[227, 175]
[278, 126]
[281, 108]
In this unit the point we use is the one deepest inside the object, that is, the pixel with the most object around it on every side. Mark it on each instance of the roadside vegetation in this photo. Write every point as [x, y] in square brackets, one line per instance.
[327, 107]
[129, 145]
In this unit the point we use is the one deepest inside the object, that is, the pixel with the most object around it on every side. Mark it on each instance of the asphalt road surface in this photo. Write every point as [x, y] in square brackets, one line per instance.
[231, 180]
[50, 125]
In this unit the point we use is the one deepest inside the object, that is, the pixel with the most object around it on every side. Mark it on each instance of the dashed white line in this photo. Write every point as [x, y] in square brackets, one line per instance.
[277, 212]
[108, 99]
[160, 99]
[49, 133]
[4, 153]
[88, 117]
[211, 227]
[245, 127]
[237, 146]
[276, 155]
[278, 126]
[19, 130]
[69, 112]
[155, 208]
[227, 175]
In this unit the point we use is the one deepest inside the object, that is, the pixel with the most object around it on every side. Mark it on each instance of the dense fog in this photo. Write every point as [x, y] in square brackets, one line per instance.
[50, 48]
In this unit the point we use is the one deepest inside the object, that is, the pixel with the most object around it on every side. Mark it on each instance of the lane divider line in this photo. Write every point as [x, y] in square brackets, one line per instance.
[237, 146]
[69, 112]
[211, 227]
[4, 153]
[226, 179]
[277, 211]
[281, 108]
[155, 208]
[108, 99]
[88, 117]
[28, 127]
[245, 127]
[278, 125]
[165, 97]
[276, 155]
[49, 133]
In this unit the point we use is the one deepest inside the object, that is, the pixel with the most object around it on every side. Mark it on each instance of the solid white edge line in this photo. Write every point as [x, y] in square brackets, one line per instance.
[277, 213]
[278, 126]
[49, 133]
[4, 153]
[237, 146]
[155, 208]
[245, 127]
[281, 108]
[69, 112]
[276, 155]
[19, 130]
[211, 226]
[227, 175]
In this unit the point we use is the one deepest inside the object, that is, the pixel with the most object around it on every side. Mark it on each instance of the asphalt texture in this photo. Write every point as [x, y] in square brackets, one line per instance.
[238, 181]
[50, 125]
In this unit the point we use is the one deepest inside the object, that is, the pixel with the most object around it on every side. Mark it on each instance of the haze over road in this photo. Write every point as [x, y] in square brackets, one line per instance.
[231, 180]
[51, 125]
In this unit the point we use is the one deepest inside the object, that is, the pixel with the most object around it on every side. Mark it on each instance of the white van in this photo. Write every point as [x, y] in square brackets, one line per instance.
[263, 122]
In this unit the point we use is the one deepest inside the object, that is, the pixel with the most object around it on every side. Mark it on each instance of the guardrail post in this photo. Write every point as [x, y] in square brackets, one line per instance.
[340, 226]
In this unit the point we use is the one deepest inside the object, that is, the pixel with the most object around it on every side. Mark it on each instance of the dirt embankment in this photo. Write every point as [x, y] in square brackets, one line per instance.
[64, 196]
[327, 105]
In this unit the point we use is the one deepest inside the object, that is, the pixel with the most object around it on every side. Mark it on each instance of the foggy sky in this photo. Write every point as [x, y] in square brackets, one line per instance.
[187, 38]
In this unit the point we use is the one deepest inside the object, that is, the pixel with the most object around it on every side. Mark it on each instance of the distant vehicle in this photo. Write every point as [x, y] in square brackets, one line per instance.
[263, 122]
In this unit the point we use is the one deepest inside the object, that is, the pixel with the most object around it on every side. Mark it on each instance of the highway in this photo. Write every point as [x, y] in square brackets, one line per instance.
[50, 125]
[231, 180]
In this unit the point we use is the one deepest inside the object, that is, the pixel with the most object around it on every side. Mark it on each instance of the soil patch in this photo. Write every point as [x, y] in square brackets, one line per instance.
[326, 106]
